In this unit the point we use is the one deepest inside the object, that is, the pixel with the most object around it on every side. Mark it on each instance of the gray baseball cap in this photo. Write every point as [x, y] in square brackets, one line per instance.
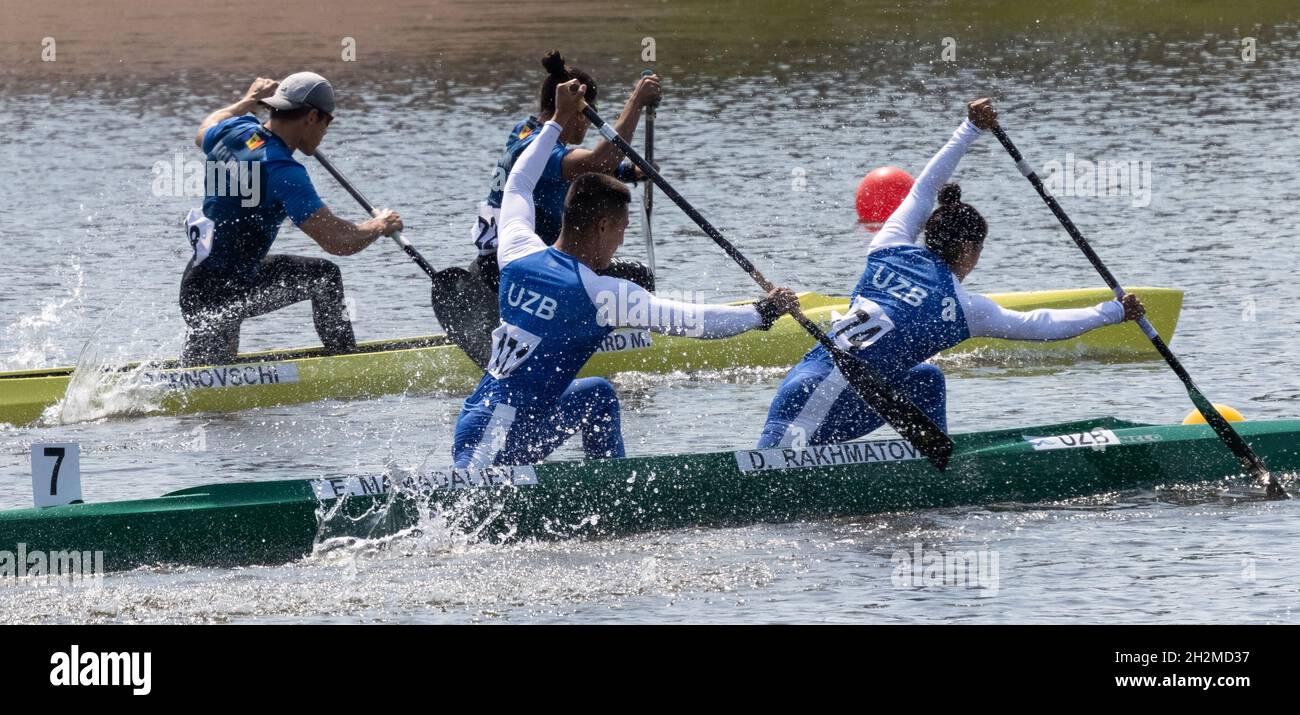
[303, 89]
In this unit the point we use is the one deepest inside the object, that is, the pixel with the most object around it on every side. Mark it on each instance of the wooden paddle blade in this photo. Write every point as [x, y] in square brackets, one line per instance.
[467, 309]
[914, 425]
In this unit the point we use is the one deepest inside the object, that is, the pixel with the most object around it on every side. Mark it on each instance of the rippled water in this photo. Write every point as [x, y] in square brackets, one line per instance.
[770, 116]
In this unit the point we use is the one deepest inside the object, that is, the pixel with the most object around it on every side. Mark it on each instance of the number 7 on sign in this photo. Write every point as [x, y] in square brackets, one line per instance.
[57, 453]
[56, 474]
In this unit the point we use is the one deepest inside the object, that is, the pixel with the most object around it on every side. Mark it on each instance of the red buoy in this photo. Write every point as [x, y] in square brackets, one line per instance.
[880, 192]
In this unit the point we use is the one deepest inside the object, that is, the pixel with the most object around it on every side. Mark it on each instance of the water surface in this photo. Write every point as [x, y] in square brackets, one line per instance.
[771, 114]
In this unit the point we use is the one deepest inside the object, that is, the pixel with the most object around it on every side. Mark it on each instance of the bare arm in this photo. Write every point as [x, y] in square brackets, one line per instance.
[605, 157]
[340, 237]
[261, 87]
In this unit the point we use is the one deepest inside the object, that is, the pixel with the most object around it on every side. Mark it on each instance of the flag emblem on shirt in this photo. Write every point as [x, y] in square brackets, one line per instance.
[523, 133]
[255, 142]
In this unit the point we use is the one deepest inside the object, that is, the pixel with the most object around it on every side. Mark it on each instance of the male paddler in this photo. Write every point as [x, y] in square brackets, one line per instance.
[556, 310]
[252, 184]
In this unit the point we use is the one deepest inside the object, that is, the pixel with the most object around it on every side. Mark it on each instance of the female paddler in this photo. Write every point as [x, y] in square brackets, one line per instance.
[909, 305]
[568, 160]
[468, 302]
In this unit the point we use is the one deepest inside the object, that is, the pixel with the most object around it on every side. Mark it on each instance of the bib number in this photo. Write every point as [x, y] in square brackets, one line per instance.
[865, 323]
[511, 347]
[201, 231]
[484, 232]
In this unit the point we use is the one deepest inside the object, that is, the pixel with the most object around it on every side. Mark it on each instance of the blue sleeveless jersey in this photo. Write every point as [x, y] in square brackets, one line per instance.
[548, 196]
[905, 310]
[246, 152]
[548, 332]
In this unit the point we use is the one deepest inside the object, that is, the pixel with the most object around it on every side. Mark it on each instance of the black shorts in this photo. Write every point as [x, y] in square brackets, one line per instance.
[215, 305]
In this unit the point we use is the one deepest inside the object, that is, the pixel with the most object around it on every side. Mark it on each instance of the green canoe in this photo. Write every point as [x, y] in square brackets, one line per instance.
[280, 521]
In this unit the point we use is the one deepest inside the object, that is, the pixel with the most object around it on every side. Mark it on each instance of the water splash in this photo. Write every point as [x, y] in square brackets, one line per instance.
[100, 388]
[410, 522]
[33, 334]
[102, 385]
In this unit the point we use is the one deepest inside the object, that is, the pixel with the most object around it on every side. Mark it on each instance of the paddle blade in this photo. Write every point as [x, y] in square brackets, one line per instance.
[1236, 444]
[914, 425]
[466, 308]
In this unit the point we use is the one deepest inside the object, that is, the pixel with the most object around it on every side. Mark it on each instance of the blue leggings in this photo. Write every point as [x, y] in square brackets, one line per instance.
[815, 405]
[502, 434]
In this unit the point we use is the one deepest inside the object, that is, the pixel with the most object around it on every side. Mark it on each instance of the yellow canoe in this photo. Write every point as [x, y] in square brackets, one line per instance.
[431, 364]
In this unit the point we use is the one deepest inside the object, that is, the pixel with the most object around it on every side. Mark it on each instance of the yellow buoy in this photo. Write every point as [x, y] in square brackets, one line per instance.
[1229, 413]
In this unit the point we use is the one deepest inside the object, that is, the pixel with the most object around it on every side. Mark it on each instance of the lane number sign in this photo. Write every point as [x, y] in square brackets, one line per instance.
[56, 474]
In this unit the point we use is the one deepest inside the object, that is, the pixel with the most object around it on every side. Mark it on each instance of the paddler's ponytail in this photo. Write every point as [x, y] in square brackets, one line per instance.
[953, 225]
[557, 73]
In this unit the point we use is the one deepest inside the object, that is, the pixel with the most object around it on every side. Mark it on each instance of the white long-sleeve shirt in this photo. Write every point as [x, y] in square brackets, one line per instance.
[984, 317]
[620, 303]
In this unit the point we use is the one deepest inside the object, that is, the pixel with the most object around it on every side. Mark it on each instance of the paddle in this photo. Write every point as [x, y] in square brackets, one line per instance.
[647, 200]
[1222, 428]
[453, 292]
[893, 407]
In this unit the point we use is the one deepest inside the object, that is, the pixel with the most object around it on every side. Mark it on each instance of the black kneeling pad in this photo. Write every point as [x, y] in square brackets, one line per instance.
[467, 309]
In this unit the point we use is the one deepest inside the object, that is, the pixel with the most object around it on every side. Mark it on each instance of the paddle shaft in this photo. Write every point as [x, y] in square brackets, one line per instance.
[370, 209]
[910, 421]
[647, 200]
[1221, 426]
[655, 177]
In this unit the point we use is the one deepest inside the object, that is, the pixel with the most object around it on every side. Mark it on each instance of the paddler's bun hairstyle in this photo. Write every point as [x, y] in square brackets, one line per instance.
[557, 73]
[953, 225]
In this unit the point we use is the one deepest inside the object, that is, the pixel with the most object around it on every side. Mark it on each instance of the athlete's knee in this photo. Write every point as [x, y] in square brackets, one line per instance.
[323, 276]
[332, 270]
[603, 389]
[791, 397]
[927, 376]
[329, 275]
[771, 435]
[598, 395]
[928, 387]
